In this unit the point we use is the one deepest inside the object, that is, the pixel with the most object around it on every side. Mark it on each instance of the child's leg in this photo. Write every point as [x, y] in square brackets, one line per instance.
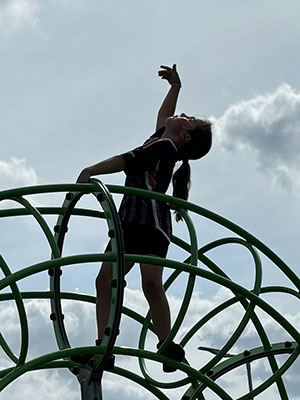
[103, 290]
[160, 312]
[155, 295]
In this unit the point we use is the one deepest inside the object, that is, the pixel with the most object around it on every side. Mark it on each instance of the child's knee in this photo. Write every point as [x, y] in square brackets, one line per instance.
[103, 280]
[152, 286]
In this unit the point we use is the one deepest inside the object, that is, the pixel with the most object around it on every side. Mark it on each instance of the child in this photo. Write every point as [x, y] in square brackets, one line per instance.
[146, 223]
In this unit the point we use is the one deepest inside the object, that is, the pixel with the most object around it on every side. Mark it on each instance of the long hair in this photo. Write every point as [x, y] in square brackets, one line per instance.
[197, 147]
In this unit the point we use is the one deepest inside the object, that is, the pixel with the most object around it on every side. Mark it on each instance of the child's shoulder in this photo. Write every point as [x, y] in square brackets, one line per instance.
[156, 134]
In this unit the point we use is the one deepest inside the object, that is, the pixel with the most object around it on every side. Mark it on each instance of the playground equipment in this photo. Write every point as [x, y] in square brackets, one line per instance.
[198, 382]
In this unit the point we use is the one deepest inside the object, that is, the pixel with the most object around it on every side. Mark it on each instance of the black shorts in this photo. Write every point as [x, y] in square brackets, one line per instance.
[143, 240]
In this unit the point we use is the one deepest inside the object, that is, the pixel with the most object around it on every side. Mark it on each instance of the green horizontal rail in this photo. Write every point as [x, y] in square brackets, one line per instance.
[90, 258]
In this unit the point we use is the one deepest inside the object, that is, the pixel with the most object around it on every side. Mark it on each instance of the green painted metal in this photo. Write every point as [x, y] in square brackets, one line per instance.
[197, 380]
[23, 321]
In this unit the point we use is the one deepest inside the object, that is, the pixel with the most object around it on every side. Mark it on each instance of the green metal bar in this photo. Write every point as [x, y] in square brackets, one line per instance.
[60, 230]
[74, 296]
[117, 371]
[89, 187]
[49, 295]
[259, 328]
[42, 223]
[7, 350]
[55, 263]
[33, 364]
[41, 189]
[209, 316]
[23, 320]
[255, 320]
[166, 386]
[118, 272]
[216, 218]
[249, 308]
[233, 339]
[51, 240]
[278, 374]
[187, 337]
[255, 354]
[280, 289]
[16, 212]
[238, 332]
[224, 282]
[65, 261]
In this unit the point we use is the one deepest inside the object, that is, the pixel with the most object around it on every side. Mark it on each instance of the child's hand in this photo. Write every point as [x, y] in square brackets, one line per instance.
[83, 177]
[170, 74]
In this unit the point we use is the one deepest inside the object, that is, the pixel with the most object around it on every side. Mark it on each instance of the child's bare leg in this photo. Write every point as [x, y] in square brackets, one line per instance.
[155, 295]
[103, 290]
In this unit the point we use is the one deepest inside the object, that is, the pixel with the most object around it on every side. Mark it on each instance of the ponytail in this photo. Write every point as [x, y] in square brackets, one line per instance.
[181, 183]
[197, 147]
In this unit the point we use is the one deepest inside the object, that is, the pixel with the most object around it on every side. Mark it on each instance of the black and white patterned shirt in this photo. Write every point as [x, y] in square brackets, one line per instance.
[149, 167]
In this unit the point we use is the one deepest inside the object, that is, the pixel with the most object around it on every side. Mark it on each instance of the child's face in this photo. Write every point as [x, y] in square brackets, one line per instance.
[182, 121]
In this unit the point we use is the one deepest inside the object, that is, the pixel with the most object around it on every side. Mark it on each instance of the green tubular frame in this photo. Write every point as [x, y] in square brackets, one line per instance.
[197, 380]
[249, 311]
[16, 295]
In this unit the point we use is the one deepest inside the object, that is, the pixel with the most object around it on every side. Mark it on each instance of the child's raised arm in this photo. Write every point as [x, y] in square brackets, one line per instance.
[168, 106]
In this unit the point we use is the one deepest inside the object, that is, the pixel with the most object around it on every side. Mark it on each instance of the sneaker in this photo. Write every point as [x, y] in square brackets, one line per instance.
[174, 352]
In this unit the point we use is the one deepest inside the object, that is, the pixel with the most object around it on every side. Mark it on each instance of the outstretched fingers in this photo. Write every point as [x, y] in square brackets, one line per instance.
[170, 74]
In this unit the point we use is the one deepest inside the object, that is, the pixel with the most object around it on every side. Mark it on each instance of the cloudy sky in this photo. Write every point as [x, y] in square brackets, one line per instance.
[79, 84]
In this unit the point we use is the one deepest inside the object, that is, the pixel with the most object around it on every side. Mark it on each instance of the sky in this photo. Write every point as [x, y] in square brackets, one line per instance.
[79, 84]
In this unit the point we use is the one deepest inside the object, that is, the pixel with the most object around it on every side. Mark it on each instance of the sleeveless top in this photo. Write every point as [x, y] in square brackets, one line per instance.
[149, 167]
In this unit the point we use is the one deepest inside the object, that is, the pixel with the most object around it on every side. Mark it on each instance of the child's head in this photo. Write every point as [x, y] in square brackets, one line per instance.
[192, 136]
[200, 140]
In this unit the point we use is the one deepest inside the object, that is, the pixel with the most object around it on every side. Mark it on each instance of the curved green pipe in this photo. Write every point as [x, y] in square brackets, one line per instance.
[42, 223]
[259, 328]
[117, 271]
[216, 218]
[256, 354]
[16, 212]
[78, 259]
[23, 320]
[221, 307]
[280, 289]
[277, 375]
[33, 364]
[249, 308]
[89, 187]
[283, 323]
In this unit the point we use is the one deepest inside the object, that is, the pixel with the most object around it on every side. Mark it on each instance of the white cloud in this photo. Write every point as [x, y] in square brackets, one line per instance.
[268, 126]
[17, 14]
[16, 172]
